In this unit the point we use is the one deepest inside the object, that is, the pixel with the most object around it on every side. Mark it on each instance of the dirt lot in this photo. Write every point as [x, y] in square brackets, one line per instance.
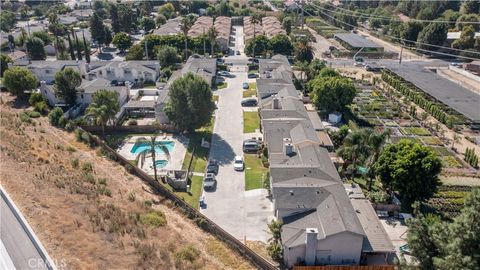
[89, 212]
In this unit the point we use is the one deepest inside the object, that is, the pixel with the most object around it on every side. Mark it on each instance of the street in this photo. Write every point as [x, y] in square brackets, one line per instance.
[244, 214]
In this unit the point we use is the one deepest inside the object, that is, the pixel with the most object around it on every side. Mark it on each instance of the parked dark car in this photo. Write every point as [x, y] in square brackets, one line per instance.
[212, 167]
[252, 75]
[250, 102]
[251, 146]
[209, 182]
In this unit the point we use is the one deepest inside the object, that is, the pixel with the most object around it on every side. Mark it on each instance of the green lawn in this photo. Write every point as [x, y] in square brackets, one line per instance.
[251, 121]
[251, 91]
[195, 191]
[201, 154]
[255, 173]
[222, 85]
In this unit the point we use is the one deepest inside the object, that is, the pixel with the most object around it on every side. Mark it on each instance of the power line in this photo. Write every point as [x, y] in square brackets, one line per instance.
[416, 42]
[393, 18]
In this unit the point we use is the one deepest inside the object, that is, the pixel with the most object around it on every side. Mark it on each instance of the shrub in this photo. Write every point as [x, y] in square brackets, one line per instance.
[55, 115]
[78, 134]
[153, 218]
[70, 126]
[188, 253]
[24, 117]
[75, 163]
[62, 121]
[32, 114]
[132, 122]
[87, 167]
[41, 107]
[35, 98]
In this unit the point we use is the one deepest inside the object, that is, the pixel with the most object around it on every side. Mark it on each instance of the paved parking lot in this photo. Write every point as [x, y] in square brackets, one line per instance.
[244, 214]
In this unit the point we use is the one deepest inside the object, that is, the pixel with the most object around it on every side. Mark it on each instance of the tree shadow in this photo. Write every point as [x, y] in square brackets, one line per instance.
[221, 151]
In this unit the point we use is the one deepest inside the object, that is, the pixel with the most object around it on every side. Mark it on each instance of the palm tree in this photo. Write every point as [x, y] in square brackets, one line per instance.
[212, 35]
[303, 50]
[354, 147]
[185, 25]
[376, 142]
[152, 146]
[99, 114]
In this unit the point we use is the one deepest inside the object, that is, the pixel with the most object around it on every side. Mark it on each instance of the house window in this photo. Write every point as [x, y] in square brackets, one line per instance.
[127, 71]
[48, 71]
[81, 96]
[100, 72]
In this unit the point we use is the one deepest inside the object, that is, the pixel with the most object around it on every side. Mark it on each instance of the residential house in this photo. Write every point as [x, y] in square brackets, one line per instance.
[46, 70]
[85, 91]
[122, 71]
[223, 26]
[201, 66]
[320, 225]
[17, 55]
[171, 27]
[200, 27]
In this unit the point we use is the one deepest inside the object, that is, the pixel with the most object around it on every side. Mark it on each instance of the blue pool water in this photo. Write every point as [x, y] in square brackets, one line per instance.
[160, 163]
[141, 146]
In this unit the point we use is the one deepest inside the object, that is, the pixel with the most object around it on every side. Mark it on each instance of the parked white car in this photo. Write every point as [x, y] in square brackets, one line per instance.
[238, 164]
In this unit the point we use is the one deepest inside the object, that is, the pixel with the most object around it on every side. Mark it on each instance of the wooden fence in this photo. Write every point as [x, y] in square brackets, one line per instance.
[346, 267]
[192, 213]
[130, 129]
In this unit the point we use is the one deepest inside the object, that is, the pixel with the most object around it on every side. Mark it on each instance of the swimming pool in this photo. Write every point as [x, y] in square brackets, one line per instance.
[139, 147]
[161, 163]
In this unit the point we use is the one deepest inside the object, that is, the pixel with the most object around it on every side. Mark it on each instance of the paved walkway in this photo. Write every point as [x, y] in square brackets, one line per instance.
[244, 214]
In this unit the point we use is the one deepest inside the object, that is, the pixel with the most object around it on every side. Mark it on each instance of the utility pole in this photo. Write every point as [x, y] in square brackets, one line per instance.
[146, 51]
[401, 53]
[303, 15]
[204, 43]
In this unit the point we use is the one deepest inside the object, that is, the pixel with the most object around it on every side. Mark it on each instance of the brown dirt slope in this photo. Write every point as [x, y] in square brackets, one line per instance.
[89, 212]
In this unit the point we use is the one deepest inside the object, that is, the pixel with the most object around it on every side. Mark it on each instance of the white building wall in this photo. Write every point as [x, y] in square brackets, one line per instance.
[340, 249]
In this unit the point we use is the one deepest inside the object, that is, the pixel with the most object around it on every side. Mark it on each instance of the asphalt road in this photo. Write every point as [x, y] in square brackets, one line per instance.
[16, 242]
[244, 214]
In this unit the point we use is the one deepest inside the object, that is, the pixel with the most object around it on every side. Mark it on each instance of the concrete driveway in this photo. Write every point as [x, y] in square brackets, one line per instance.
[244, 214]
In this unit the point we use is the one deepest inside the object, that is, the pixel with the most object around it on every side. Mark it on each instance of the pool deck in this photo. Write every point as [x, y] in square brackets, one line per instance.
[177, 154]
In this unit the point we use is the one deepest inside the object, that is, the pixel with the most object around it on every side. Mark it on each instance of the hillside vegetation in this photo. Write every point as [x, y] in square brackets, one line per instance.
[89, 212]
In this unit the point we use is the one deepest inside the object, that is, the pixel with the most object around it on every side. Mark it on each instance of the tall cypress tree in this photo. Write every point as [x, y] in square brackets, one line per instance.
[85, 48]
[72, 53]
[79, 50]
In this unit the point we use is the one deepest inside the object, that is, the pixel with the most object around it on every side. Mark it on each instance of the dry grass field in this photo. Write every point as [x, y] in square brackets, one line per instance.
[89, 212]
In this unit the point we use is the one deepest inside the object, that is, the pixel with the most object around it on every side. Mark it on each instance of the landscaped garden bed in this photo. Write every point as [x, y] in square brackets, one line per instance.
[419, 131]
[449, 200]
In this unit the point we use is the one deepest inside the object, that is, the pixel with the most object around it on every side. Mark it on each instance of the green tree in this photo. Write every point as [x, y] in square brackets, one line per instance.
[466, 40]
[18, 80]
[103, 108]
[411, 169]
[44, 36]
[190, 105]
[287, 24]
[114, 17]
[108, 36]
[332, 93]
[127, 18]
[35, 49]
[70, 47]
[303, 50]
[212, 36]
[167, 56]
[122, 41]
[257, 46]
[470, 7]
[434, 33]
[4, 60]
[136, 52]
[410, 31]
[281, 44]
[86, 49]
[314, 68]
[255, 19]
[355, 148]
[97, 30]
[274, 246]
[66, 83]
[160, 20]
[328, 72]
[185, 24]
[54, 116]
[339, 135]
[7, 20]
[147, 23]
[167, 10]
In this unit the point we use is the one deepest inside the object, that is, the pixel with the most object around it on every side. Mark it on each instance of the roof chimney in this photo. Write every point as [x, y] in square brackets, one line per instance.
[310, 246]
[275, 103]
